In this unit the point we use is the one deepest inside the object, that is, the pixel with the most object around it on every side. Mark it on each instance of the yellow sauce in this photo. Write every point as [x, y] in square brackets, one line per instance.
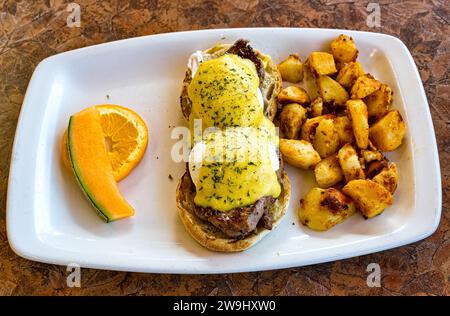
[224, 92]
[236, 170]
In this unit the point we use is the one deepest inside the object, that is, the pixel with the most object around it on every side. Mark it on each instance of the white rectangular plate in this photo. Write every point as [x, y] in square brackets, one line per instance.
[49, 220]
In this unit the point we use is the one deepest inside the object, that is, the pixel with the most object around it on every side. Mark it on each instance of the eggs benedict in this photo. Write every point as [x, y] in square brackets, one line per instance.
[235, 189]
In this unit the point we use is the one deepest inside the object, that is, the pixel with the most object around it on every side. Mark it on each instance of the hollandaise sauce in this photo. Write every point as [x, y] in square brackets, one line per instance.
[239, 160]
[237, 169]
[224, 92]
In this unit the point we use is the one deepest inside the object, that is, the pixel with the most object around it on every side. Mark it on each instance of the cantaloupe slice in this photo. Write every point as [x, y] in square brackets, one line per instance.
[89, 160]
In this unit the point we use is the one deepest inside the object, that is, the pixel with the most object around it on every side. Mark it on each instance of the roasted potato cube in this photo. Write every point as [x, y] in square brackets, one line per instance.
[310, 125]
[322, 63]
[310, 83]
[370, 197]
[331, 91]
[294, 94]
[373, 168]
[371, 155]
[350, 164]
[388, 178]
[326, 138]
[322, 209]
[362, 163]
[378, 102]
[344, 49]
[299, 153]
[317, 107]
[371, 145]
[344, 129]
[364, 86]
[339, 65]
[328, 172]
[349, 73]
[291, 69]
[387, 133]
[357, 111]
[291, 119]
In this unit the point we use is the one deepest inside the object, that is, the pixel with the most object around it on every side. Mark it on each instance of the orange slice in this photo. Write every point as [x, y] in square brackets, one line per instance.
[126, 137]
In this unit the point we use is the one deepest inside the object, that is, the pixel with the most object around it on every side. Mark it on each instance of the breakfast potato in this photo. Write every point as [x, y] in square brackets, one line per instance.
[310, 125]
[374, 167]
[388, 132]
[292, 117]
[344, 49]
[294, 94]
[388, 177]
[371, 155]
[350, 164]
[371, 145]
[349, 73]
[322, 209]
[362, 163]
[364, 86]
[370, 197]
[378, 102]
[291, 69]
[357, 111]
[326, 138]
[299, 153]
[339, 65]
[322, 63]
[328, 172]
[331, 91]
[344, 129]
[316, 107]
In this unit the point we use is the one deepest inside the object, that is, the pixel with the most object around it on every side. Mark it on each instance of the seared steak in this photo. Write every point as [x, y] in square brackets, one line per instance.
[244, 50]
[241, 221]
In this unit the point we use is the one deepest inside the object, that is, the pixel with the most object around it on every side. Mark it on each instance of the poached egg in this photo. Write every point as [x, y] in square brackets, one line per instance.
[197, 58]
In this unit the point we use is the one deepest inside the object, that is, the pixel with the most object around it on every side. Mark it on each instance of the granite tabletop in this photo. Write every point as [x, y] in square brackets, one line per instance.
[33, 30]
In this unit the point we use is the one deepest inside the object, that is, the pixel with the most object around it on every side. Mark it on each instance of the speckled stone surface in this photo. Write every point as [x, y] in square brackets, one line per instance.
[33, 30]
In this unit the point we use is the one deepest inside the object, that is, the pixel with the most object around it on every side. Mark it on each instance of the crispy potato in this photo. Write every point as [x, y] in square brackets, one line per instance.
[326, 138]
[294, 94]
[344, 129]
[292, 117]
[331, 91]
[322, 209]
[373, 168]
[339, 65]
[378, 102]
[317, 107]
[388, 178]
[310, 125]
[362, 162]
[371, 145]
[309, 83]
[364, 86]
[371, 155]
[387, 133]
[350, 164]
[349, 73]
[291, 69]
[299, 153]
[328, 172]
[344, 49]
[322, 63]
[370, 197]
[357, 111]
